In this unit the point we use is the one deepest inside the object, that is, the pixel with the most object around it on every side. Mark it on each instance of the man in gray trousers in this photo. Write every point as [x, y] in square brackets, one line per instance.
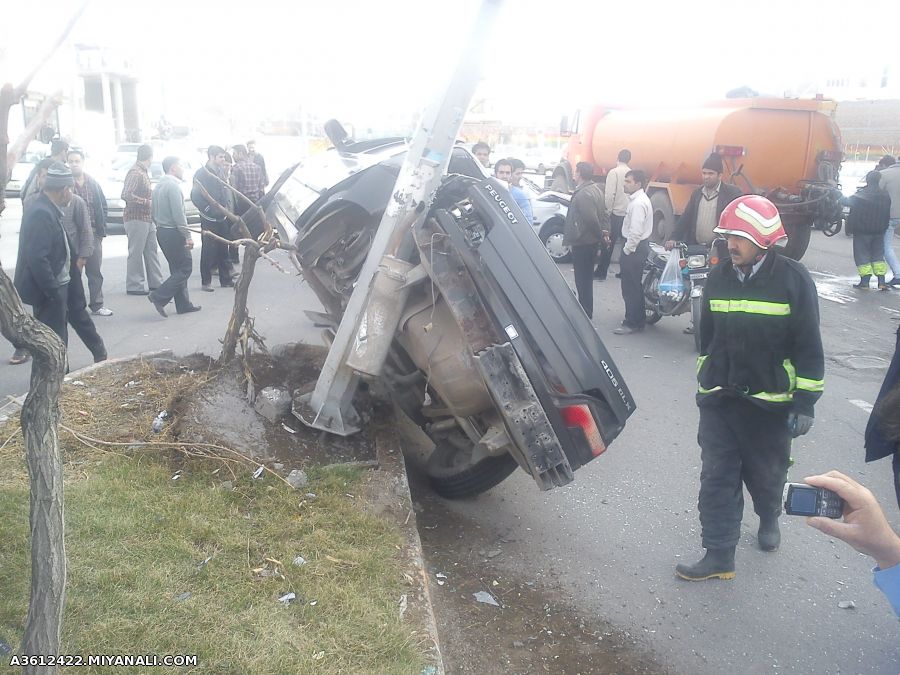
[142, 250]
[167, 211]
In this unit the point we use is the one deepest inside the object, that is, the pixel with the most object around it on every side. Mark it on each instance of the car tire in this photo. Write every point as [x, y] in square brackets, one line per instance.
[552, 237]
[471, 481]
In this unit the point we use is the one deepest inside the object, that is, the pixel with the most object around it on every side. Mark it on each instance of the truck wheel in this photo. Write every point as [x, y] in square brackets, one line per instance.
[552, 239]
[663, 216]
[798, 239]
[453, 476]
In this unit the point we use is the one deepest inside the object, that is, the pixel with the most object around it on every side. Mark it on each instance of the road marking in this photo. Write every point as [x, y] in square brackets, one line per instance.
[864, 405]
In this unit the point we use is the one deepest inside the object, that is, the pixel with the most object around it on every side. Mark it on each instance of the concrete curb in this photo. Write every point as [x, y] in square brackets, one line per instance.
[389, 455]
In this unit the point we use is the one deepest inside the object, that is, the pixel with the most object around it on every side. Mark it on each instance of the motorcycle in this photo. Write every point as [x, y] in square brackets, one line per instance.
[696, 261]
[493, 358]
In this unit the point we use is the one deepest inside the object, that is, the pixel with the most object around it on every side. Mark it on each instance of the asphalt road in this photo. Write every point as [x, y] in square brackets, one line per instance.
[276, 301]
[612, 538]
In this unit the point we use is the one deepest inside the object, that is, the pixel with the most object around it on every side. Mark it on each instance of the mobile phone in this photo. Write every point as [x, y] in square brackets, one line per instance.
[805, 500]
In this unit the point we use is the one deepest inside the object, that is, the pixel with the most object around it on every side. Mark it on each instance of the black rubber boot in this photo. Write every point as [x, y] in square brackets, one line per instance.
[718, 563]
[769, 536]
[864, 281]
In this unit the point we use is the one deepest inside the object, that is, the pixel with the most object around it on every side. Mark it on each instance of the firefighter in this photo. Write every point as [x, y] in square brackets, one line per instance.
[759, 374]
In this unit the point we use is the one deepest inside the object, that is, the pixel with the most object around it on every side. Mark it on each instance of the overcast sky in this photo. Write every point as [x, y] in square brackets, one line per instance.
[355, 58]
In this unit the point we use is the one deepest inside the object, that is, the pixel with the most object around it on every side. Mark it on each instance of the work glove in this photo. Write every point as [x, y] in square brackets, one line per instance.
[799, 424]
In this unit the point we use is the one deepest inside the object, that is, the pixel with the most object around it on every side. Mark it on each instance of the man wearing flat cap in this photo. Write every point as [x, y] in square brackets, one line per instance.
[42, 270]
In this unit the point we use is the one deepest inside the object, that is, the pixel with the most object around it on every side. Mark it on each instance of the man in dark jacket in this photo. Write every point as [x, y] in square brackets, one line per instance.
[704, 208]
[587, 226]
[42, 269]
[760, 372]
[213, 253]
[90, 191]
[870, 213]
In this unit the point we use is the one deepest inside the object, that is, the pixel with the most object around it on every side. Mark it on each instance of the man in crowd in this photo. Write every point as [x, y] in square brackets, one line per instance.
[701, 215]
[247, 178]
[42, 269]
[482, 152]
[76, 222]
[587, 226]
[58, 150]
[142, 251]
[259, 160]
[503, 170]
[760, 372]
[636, 228]
[890, 183]
[885, 162]
[870, 213]
[89, 190]
[174, 239]
[40, 170]
[516, 190]
[213, 253]
[616, 204]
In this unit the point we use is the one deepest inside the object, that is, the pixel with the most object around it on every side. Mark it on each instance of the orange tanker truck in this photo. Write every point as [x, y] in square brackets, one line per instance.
[786, 149]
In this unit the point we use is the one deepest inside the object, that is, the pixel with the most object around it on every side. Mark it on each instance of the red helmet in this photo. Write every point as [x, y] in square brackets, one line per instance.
[754, 218]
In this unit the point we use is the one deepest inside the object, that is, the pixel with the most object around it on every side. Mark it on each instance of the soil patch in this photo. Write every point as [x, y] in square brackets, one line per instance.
[221, 413]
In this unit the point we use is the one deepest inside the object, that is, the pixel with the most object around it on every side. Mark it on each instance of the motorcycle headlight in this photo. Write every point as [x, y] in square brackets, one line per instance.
[696, 261]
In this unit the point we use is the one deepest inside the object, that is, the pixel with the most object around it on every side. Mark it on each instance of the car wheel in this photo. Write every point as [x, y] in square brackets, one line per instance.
[552, 238]
[454, 476]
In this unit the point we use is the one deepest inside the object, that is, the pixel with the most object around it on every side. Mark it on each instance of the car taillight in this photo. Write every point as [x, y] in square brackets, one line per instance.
[580, 416]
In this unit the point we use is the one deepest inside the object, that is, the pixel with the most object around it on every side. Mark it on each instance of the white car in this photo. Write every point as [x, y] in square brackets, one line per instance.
[549, 208]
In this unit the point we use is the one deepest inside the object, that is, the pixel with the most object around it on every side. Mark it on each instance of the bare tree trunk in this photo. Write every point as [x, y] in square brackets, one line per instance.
[239, 313]
[40, 417]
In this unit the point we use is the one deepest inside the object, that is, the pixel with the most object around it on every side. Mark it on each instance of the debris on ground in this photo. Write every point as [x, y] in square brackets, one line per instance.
[273, 403]
[159, 421]
[847, 604]
[299, 561]
[181, 597]
[287, 598]
[297, 479]
[486, 598]
[259, 471]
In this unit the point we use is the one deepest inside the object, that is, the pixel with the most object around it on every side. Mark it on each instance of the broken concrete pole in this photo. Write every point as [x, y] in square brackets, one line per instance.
[273, 403]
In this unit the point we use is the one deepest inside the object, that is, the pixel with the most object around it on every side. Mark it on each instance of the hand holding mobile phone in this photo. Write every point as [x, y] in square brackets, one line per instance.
[805, 500]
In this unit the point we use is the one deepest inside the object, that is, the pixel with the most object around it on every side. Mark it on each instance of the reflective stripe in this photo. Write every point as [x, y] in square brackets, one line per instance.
[810, 385]
[774, 398]
[700, 360]
[791, 373]
[751, 307]
[701, 390]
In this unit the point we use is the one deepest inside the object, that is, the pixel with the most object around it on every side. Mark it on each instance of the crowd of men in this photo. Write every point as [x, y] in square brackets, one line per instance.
[64, 219]
[761, 366]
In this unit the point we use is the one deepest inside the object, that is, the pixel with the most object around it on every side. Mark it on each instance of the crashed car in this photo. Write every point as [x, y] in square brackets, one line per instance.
[493, 358]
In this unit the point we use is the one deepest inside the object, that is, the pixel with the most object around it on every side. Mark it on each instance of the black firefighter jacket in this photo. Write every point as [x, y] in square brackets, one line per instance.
[870, 211]
[760, 340]
[686, 229]
[42, 251]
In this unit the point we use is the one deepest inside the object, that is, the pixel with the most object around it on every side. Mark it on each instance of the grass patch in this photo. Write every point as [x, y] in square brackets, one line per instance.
[136, 542]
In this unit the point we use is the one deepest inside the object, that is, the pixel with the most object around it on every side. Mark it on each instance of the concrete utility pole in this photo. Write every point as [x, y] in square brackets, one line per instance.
[373, 313]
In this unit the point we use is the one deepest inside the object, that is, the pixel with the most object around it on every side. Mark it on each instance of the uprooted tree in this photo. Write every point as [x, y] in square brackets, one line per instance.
[40, 412]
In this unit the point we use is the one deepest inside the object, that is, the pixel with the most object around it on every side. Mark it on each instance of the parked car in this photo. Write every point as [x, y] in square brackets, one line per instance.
[112, 188]
[19, 175]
